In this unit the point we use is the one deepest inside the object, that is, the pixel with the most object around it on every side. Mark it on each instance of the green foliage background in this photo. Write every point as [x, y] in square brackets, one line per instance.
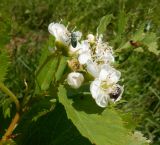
[24, 35]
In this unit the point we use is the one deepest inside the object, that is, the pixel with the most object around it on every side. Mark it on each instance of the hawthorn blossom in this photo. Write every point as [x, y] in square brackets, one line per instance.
[92, 56]
[95, 55]
[63, 36]
[105, 88]
[84, 52]
[60, 32]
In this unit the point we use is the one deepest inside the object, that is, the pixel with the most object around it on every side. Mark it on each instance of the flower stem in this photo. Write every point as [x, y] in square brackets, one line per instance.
[11, 127]
[11, 95]
[17, 115]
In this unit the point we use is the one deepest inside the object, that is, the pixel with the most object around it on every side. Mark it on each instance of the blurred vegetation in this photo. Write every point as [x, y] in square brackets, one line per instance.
[24, 34]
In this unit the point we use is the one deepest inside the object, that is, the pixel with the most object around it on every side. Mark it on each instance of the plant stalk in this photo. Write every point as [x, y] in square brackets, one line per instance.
[17, 115]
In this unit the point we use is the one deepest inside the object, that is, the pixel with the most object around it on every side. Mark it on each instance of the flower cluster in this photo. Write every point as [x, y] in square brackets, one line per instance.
[93, 57]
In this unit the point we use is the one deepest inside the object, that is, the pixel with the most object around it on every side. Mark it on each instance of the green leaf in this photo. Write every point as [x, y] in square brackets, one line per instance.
[105, 20]
[4, 64]
[51, 44]
[61, 68]
[121, 26]
[139, 35]
[147, 40]
[122, 21]
[53, 128]
[101, 127]
[151, 41]
[46, 75]
[6, 105]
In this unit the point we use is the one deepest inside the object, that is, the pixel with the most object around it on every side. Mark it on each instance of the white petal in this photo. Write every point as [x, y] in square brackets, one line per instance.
[84, 47]
[102, 100]
[108, 58]
[105, 71]
[90, 37]
[93, 68]
[84, 57]
[75, 79]
[60, 32]
[109, 74]
[98, 94]
[114, 77]
[95, 88]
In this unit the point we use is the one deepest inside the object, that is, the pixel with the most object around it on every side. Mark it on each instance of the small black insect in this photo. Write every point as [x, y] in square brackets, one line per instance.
[74, 39]
[115, 94]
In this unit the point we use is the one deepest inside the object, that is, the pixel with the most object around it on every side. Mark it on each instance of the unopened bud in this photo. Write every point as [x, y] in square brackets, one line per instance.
[75, 79]
[90, 38]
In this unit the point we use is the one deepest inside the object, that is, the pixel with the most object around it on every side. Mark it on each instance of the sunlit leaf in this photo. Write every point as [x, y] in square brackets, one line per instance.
[105, 20]
[61, 67]
[101, 127]
[46, 74]
[151, 41]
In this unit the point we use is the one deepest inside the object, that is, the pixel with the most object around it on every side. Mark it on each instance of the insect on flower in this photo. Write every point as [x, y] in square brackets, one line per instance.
[74, 39]
[115, 94]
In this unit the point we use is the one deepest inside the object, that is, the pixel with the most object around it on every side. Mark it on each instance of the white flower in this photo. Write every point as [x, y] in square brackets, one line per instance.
[104, 52]
[60, 32]
[84, 46]
[75, 79]
[93, 68]
[109, 74]
[95, 55]
[99, 94]
[104, 88]
[65, 38]
[84, 52]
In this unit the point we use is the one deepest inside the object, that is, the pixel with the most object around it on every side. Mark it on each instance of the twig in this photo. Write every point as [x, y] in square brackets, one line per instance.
[17, 115]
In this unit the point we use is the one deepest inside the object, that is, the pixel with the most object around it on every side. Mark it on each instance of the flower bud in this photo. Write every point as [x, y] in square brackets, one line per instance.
[90, 38]
[75, 79]
[74, 65]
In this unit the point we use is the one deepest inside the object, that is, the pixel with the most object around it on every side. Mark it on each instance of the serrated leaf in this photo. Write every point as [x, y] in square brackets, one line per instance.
[151, 41]
[52, 128]
[105, 20]
[101, 127]
[61, 68]
[139, 35]
[4, 64]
